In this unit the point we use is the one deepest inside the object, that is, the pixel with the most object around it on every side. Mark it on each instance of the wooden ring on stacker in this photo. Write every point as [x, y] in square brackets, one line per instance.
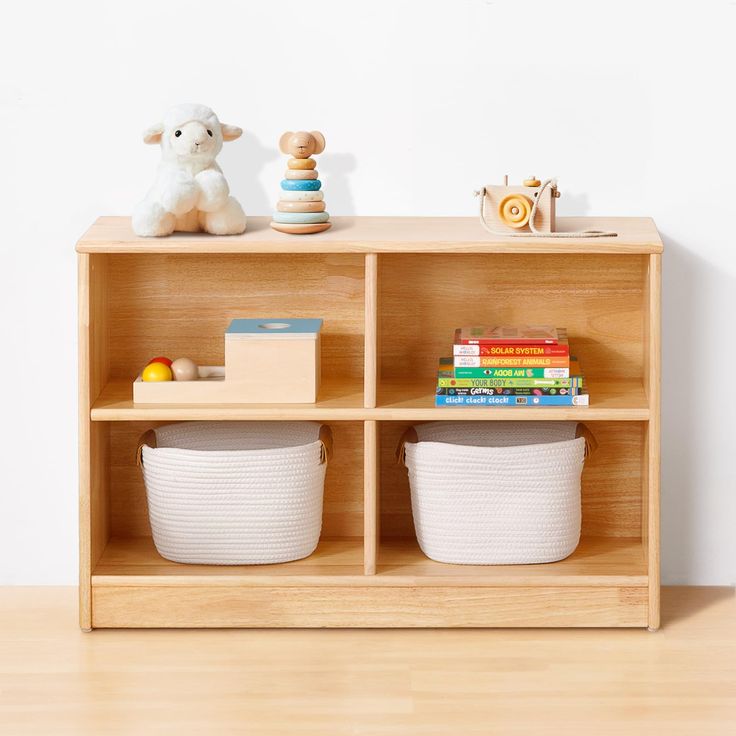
[514, 210]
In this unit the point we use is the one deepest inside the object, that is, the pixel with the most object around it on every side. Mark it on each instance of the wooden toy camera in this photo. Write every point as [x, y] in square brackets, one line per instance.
[509, 207]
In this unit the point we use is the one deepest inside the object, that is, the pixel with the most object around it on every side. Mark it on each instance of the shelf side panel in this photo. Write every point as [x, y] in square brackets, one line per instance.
[93, 439]
[653, 445]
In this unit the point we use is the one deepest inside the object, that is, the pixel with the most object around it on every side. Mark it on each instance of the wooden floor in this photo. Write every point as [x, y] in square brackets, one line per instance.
[56, 680]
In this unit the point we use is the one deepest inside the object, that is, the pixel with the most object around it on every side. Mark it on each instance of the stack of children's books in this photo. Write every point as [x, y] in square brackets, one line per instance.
[510, 366]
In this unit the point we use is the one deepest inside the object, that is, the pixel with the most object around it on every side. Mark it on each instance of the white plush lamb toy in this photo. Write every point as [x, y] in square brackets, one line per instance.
[190, 192]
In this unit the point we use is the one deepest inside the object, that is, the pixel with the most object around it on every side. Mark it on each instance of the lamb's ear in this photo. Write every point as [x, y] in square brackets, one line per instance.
[154, 133]
[284, 142]
[230, 132]
[319, 140]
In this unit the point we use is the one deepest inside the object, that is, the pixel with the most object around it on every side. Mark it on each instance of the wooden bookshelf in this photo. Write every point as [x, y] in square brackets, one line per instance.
[390, 291]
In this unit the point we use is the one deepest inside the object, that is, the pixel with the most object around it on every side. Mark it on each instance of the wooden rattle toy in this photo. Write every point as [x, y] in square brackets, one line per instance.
[301, 209]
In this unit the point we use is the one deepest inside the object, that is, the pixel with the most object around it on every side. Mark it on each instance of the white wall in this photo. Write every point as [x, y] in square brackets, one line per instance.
[629, 103]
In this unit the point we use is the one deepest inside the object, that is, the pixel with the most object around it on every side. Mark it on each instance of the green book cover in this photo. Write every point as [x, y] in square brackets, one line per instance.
[446, 367]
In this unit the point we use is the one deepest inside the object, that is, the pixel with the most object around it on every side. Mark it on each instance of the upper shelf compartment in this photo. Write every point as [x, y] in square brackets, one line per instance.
[381, 235]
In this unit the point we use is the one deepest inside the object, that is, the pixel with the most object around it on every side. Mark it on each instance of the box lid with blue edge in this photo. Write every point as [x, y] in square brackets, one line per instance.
[273, 329]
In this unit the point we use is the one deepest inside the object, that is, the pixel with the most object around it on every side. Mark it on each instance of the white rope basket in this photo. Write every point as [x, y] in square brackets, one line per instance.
[235, 493]
[496, 493]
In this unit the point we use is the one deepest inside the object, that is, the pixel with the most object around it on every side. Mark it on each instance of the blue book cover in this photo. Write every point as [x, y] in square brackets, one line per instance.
[580, 400]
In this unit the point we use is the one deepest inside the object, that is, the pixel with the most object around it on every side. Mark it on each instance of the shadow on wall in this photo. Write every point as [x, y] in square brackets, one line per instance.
[243, 161]
[337, 168]
[693, 452]
[572, 204]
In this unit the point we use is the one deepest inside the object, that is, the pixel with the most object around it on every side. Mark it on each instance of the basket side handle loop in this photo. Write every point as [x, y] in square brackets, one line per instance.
[591, 443]
[147, 438]
[325, 437]
[409, 436]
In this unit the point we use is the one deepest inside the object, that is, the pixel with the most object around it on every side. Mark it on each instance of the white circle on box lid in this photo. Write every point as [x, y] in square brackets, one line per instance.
[274, 325]
[299, 196]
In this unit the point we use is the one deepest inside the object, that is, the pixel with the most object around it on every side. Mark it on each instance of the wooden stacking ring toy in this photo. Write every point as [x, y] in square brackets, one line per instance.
[301, 185]
[301, 174]
[514, 210]
[297, 196]
[301, 218]
[301, 163]
[296, 229]
[286, 206]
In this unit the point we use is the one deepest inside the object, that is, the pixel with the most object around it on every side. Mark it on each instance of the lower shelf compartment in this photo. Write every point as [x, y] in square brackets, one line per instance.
[598, 561]
[603, 583]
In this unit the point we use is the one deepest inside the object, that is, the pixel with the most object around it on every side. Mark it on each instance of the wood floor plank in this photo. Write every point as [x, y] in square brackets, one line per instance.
[57, 680]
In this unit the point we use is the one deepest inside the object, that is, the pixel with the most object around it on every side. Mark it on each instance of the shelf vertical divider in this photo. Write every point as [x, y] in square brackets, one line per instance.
[371, 519]
[371, 530]
[370, 370]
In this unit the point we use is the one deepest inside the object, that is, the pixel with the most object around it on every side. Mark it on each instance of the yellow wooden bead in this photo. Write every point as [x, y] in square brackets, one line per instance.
[298, 174]
[532, 181]
[514, 210]
[286, 206]
[301, 163]
[155, 372]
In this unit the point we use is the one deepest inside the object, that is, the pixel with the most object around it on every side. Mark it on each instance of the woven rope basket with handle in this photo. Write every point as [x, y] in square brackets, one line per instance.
[496, 493]
[235, 493]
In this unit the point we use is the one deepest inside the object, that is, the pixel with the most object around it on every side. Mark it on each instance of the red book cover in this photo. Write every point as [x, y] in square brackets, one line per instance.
[561, 350]
[524, 335]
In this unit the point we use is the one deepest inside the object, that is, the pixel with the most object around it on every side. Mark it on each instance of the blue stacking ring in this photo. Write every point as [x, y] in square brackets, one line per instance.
[301, 185]
[301, 218]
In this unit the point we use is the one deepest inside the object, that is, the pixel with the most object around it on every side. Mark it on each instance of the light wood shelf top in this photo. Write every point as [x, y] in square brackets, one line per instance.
[342, 399]
[398, 401]
[380, 235]
[598, 561]
[613, 400]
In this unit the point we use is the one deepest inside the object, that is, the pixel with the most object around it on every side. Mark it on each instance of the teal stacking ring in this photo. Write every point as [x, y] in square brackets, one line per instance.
[301, 185]
[301, 218]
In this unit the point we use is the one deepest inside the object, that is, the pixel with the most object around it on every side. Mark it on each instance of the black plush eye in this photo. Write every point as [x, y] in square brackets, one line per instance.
[209, 133]
[177, 133]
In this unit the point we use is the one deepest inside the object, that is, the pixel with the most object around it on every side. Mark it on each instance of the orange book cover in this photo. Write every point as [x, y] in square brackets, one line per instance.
[501, 361]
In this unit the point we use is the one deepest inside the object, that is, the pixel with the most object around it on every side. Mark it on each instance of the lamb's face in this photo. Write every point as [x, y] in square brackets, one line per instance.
[191, 133]
[194, 140]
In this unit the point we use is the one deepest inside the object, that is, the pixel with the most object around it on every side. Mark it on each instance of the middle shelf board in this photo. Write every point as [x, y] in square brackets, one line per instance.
[598, 561]
[342, 400]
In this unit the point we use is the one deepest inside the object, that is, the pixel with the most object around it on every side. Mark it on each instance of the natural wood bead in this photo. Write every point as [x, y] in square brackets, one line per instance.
[301, 163]
[284, 206]
[298, 174]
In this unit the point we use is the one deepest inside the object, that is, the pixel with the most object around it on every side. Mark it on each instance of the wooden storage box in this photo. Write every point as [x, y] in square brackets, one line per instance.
[274, 360]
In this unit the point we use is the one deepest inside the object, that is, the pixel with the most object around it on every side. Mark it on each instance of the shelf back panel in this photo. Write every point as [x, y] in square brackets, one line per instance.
[342, 514]
[180, 305]
[600, 299]
[611, 482]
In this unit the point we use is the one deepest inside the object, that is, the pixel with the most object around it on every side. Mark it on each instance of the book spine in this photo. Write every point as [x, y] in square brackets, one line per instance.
[450, 382]
[581, 400]
[495, 361]
[508, 373]
[498, 391]
[512, 351]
